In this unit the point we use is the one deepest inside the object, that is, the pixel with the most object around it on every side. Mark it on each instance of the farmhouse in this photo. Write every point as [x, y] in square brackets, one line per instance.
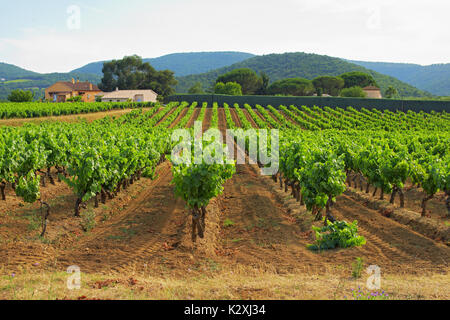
[61, 91]
[373, 92]
[130, 95]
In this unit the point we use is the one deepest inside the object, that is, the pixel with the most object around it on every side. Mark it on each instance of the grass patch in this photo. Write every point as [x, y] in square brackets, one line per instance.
[34, 223]
[228, 223]
[357, 268]
[115, 237]
[87, 220]
[129, 232]
[222, 284]
[16, 81]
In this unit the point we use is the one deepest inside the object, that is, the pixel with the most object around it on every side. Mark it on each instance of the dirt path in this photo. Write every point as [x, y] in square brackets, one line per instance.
[69, 118]
[222, 120]
[180, 116]
[273, 116]
[207, 119]
[194, 117]
[413, 195]
[137, 236]
[249, 118]
[166, 116]
[288, 118]
[262, 118]
[390, 244]
[436, 207]
[235, 117]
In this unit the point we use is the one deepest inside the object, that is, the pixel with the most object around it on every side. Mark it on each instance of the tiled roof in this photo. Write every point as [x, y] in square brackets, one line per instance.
[81, 86]
[371, 88]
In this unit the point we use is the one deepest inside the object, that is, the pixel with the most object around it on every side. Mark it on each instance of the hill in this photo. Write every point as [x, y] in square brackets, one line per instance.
[433, 78]
[182, 63]
[18, 78]
[12, 72]
[290, 65]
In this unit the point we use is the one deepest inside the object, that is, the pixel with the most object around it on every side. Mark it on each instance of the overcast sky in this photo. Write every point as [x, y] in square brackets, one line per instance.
[50, 35]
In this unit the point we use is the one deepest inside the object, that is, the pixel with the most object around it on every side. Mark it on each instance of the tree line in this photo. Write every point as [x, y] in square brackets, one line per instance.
[245, 81]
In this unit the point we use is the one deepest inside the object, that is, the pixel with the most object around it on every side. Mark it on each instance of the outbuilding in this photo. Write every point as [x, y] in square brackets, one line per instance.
[373, 92]
[130, 95]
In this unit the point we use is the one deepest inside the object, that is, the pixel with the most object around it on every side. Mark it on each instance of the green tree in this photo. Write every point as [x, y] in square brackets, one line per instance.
[21, 96]
[263, 90]
[391, 93]
[131, 73]
[230, 88]
[358, 79]
[197, 88]
[293, 87]
[247, 78]
[353, 92]
[329, 85]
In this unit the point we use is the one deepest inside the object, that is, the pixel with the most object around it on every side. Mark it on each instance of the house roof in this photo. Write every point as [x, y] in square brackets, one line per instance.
[126, 94]
[80, 86]
[371, 88]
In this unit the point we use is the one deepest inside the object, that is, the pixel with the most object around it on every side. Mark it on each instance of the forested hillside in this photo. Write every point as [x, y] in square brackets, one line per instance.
[290, 65]
[433, 78]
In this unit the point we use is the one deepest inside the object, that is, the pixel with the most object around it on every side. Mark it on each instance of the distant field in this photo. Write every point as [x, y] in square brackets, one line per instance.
[15, 81]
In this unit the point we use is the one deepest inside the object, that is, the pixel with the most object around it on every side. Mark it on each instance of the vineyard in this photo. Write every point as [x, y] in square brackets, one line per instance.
[107, 196]
[12, 110]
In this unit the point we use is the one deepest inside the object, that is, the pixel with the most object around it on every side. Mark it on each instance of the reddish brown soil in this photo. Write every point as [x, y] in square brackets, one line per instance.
[194, 117]
[262, 118]
[166, 116]
[180, 116]
[288, 118]
[436, 208]
[249, 118]
[207, 119]
[222, 120]
[266, 235]
[149, 225]
[273, 116]
[235, 117]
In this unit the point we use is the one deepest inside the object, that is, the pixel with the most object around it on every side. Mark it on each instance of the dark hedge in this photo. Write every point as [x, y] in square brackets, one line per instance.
[332, 102]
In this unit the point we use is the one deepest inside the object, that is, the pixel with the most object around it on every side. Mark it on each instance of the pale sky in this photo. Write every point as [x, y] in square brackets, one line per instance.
[45, 36]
